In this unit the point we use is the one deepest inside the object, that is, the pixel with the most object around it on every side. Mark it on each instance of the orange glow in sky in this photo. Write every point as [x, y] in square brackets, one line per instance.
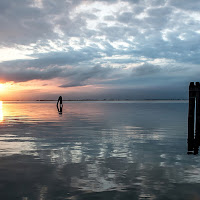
[1, 86]
[30, 90]
[1, 111]
[42, 89]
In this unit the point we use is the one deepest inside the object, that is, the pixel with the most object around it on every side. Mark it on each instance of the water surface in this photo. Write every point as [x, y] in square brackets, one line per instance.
[96, 150]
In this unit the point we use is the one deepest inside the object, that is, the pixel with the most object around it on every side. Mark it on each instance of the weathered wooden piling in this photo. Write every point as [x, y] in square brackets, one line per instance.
[197, 132]
[192, 95]
[194, 120]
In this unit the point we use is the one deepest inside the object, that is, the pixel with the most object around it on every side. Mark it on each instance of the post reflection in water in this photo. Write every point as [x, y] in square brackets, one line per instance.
[96, 150]
[1, 111]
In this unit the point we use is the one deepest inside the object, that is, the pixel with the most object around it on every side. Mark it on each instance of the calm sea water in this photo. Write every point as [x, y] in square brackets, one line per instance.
[96, 150]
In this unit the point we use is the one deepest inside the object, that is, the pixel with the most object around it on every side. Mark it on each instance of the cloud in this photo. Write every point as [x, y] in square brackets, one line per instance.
[146, 69]
[125, 17]
[71, 57]
[191, 5]
[19, 74]
[22, 24]
[115, 43]
[55, 66]
[88, 76]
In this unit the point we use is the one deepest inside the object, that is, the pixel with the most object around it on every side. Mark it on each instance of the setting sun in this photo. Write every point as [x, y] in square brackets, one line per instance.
[1, 86]
[1, 111]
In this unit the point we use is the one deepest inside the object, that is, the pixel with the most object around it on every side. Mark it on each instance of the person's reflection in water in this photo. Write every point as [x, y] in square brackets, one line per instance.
[59, 105]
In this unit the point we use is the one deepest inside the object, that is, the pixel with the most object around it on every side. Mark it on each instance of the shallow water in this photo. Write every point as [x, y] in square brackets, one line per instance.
[96, 150]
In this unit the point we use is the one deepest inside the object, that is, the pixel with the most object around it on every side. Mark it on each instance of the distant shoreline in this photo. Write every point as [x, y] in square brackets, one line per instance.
[107, 100]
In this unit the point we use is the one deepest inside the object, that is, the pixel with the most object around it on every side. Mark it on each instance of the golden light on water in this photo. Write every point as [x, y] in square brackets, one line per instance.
[1, 111]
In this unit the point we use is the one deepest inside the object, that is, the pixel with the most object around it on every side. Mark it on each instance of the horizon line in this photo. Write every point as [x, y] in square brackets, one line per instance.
[102, 100]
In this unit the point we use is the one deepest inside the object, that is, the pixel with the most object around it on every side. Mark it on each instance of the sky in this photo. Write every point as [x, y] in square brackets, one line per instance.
[98, 49]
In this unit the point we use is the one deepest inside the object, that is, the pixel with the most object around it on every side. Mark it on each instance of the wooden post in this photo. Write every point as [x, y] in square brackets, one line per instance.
[192, 95]
[197, 133]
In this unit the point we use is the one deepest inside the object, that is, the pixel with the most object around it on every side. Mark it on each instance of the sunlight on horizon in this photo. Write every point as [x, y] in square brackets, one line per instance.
[1, 111]
[1, 86]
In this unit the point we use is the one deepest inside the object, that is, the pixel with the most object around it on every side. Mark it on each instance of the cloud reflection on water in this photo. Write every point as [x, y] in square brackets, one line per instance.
[103, 150]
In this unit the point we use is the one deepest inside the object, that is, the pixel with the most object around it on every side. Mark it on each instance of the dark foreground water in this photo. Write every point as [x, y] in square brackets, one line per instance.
[96, 150]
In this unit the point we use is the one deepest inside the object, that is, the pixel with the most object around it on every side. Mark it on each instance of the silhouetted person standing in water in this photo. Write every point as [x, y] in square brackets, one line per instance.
[59, 105]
